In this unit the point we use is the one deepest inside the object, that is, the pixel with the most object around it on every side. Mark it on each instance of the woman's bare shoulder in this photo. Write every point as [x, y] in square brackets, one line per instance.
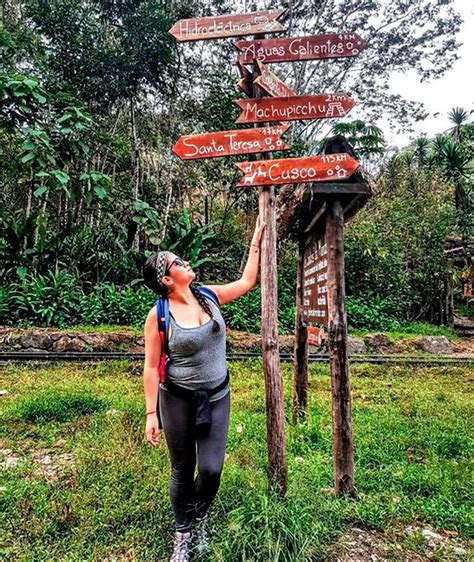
[151, 319]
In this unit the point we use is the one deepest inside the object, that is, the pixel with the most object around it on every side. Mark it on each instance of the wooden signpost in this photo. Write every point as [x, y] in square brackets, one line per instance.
[219, 27]
[297, 170]
[320, 282]
[275, 409]
[230, 143]
[330, 46]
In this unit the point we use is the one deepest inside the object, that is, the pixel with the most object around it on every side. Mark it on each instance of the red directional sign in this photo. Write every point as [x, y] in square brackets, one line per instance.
[228, 143]
[329, 167]
[245, 82]
[259, 110]
[329, 46]
[270, 82]
[218, 27]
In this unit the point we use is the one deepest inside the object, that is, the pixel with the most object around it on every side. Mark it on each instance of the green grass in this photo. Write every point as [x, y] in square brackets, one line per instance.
[413, 464]
[412, 331]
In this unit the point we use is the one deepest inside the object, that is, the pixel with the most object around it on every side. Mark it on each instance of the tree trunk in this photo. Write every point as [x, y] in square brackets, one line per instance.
[136, 171]
[29, 205]
[450, 295]
[42, 213]
[169, 197]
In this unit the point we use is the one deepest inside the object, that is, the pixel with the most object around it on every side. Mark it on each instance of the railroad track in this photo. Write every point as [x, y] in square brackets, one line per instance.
[94, 356]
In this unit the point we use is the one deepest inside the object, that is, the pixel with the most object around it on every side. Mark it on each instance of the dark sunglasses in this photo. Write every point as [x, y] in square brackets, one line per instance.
[177, 261]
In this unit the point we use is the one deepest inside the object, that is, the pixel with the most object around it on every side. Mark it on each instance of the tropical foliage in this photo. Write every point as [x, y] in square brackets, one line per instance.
[94, 94]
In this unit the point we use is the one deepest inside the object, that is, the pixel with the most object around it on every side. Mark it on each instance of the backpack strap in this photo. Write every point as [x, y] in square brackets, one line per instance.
[163, 317]
[210, 294]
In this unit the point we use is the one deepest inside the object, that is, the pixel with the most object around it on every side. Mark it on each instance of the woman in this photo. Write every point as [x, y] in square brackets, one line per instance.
[194, 401]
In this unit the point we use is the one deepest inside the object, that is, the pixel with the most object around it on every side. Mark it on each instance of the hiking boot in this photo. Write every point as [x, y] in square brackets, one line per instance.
[182, 547]
[201, 534]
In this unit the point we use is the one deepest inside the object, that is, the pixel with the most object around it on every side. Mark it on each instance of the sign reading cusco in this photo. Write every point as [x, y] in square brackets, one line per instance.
[328, 167]
[328, 46]
[259, 110]
[218, 27]
[229, 143]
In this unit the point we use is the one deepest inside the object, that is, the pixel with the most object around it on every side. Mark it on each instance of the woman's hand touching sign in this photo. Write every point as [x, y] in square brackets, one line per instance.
[258, 232]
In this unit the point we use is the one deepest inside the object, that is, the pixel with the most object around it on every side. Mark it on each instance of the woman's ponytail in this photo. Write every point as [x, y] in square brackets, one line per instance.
[205, 306]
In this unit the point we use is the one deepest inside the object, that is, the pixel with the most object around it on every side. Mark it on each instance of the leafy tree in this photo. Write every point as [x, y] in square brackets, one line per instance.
[367, 140]
[400, 36]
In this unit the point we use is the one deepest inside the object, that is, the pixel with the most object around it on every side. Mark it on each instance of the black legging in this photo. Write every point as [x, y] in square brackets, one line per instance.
[192, 497]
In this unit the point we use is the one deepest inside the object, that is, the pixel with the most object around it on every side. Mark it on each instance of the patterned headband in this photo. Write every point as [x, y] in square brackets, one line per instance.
[161, 265]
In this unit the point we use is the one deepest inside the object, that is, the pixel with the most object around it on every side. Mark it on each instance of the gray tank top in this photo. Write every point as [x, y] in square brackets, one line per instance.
[197, 356]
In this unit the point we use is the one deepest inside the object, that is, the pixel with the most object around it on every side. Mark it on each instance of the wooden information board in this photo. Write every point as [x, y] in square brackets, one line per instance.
[315, 274]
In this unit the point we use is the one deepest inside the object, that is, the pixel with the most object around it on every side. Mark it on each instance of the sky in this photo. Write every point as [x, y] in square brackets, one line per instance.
[454, 89]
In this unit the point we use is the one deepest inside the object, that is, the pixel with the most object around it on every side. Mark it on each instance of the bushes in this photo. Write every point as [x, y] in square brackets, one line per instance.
[61, 300]
[371, 313]
[245, 313]
[395, 263]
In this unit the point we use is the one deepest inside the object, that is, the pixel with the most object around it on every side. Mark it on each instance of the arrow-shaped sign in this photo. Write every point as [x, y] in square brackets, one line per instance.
[328, 46]
[229, 143]
[245, 82]
[260, 110]
[218, 27]
[270, 82]
[329, 167]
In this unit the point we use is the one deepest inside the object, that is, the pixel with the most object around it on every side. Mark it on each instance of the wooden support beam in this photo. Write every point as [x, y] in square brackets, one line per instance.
[300, 362]
[339, 188]
[316, 217]
[343, 446]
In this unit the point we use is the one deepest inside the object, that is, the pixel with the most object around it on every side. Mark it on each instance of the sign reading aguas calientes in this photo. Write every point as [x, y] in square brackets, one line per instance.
[313, 47]
[315, 274]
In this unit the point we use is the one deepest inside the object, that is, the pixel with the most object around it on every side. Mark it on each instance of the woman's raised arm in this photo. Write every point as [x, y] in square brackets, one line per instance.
[231, 291]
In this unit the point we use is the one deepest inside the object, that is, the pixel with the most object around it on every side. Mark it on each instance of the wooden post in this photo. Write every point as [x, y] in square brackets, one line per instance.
[276, 446]
[300, 364]
[343, 446]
